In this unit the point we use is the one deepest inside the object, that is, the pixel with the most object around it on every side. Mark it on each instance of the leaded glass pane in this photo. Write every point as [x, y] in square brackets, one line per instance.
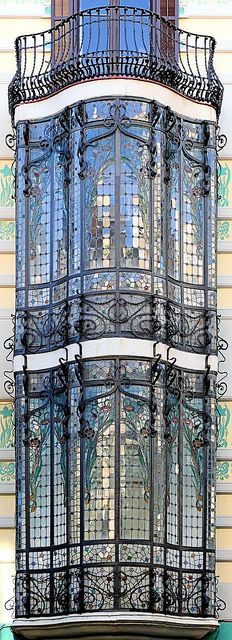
[100, 205]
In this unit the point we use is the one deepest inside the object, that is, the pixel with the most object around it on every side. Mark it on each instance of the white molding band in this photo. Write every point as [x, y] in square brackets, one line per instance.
[7, 454]
[111, 624]
[7, 213]
[125, 87]
[225, 314]
[224, 522]
[6, 314]
[224, 487]
[224, 213]
[7, 522]
[224, 246]
[224, 453]
[186, 359]
[7, 280]
[113, 347]
[7, 488]
[224, 555]
[224, 281]
[7, 246]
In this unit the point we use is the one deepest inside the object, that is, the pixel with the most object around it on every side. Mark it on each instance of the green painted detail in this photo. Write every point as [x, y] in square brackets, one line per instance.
[6, 426]
[6, 633]
[223, 230]
[224, 177]
[7, 471]
[185, 5]
[7, 230]
[223, 424]
[223, 470]
[44, 4]
[6, 184]
[223, 633]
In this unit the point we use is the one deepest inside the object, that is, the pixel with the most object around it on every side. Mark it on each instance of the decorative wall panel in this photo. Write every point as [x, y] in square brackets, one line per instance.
[6, 425]
[224, 190]
[6, 184]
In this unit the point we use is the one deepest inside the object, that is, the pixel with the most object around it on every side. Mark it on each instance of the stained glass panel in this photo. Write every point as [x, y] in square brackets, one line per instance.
[134, 205]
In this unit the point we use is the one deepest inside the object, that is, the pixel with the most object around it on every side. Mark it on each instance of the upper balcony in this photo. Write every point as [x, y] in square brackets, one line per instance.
[115, 41]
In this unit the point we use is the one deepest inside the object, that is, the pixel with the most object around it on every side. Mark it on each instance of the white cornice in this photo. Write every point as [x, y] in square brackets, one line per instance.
[7, 522]
[7, 488]
[125, 87]
[7, 213]
[122, 625]
[7, 280]
[113, 347]
[224, 246]
[7, 246]
[224, 487]
[7, 454]
[224, 281]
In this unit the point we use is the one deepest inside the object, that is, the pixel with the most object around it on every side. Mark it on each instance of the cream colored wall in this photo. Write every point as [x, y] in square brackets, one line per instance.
[221, 28]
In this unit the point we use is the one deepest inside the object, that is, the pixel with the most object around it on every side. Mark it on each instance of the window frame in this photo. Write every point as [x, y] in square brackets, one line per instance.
[74, 7]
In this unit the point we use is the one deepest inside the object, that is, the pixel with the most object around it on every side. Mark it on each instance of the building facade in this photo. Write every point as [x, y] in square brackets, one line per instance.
[115, 353]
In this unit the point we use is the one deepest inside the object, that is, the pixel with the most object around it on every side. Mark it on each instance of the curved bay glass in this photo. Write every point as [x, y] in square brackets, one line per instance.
[100, 444]
[116, 209]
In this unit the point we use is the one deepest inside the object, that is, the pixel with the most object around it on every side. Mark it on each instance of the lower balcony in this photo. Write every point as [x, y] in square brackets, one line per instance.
[105, 626]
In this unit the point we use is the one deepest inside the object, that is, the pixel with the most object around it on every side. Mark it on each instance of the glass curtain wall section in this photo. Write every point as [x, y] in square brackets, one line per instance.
[116, 206]
[115, 489]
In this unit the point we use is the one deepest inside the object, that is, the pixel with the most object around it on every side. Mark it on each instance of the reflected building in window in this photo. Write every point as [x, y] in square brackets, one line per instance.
[115, 112]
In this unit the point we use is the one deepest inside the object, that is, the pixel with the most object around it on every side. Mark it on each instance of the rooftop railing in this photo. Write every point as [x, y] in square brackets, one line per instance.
[115, 41]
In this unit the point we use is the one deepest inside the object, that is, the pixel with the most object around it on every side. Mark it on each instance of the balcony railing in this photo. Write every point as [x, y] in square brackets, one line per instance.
[115, 41]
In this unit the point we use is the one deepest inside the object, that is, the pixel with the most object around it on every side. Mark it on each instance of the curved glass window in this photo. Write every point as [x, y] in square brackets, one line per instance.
[115, 510]
[116, 214]
[116, 211]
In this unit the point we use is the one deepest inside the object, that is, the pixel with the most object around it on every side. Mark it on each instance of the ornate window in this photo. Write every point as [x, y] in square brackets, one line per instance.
[116, 210]
[102, 443]
[109, 243]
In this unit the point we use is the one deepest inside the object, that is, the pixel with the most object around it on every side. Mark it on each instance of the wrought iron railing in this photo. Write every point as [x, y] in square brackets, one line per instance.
[115, 41]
